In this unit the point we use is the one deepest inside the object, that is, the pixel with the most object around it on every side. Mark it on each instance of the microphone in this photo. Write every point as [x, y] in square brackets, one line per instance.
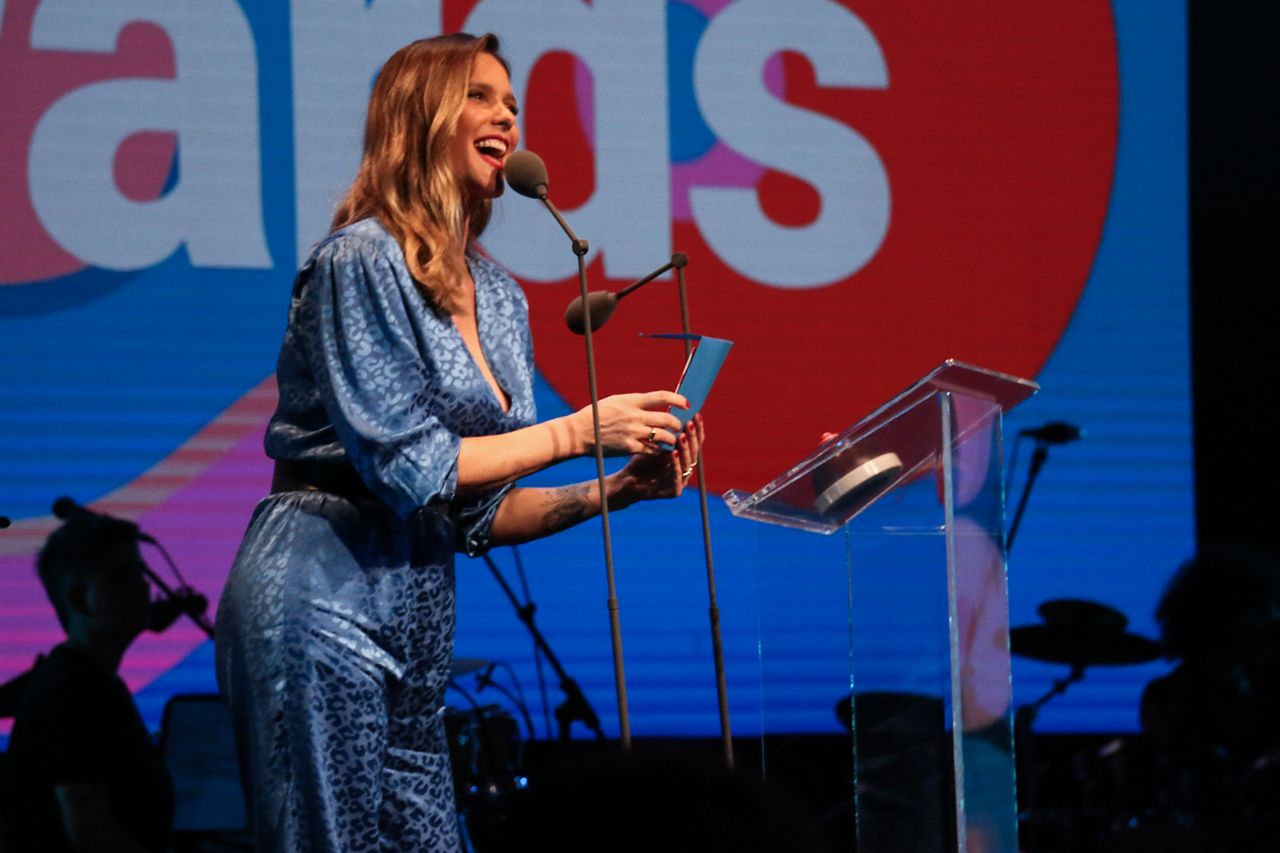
[65, 508]
[526, 174]
[1056, 432]
[600, 304]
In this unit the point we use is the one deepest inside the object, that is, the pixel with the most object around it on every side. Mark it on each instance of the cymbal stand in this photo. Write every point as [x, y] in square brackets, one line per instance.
[1060, 685]
[1023, 719]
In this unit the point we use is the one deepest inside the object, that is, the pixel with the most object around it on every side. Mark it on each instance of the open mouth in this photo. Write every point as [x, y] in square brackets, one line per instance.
[493, 149]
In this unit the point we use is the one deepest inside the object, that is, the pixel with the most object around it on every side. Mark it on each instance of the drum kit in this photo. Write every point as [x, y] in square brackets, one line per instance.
[486, 752]
[1133, 792]
[486, 749]
[1079, 800]
[1076, 793]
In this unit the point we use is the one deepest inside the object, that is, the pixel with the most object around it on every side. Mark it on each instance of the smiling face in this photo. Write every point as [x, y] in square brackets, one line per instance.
[486, 133]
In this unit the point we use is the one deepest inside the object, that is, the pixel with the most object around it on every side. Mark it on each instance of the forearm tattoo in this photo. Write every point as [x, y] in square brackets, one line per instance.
[569, 505]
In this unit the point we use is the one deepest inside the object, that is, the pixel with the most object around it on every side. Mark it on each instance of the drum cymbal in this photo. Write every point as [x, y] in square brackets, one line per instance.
[1083, 647]
[463, 666]
[1078, 613]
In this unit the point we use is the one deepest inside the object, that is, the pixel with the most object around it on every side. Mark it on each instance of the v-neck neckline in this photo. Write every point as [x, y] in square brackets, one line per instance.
[495, 387]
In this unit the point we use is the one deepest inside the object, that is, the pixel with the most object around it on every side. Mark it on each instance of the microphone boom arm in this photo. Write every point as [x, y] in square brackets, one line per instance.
[579, 245]
[678, 261]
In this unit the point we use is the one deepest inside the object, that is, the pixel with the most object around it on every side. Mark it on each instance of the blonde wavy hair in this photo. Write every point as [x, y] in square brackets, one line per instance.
[406, 176]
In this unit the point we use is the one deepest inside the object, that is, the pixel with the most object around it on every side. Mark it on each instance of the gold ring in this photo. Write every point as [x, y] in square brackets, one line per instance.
[653, 434]
[688, 472]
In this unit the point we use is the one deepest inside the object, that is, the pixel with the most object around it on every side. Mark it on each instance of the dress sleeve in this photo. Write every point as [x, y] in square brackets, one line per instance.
[473, 519]
[380, 394]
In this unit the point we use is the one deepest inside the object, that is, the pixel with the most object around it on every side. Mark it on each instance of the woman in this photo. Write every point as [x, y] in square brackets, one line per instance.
[406, 413]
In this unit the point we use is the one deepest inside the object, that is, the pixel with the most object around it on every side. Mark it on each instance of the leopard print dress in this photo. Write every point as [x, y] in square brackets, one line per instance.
[335, 629]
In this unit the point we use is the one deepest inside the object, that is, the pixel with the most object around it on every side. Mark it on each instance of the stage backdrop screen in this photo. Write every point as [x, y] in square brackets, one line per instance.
[863, 189]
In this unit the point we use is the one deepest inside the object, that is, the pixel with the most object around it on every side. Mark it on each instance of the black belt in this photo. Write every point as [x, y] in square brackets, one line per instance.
[333, 478]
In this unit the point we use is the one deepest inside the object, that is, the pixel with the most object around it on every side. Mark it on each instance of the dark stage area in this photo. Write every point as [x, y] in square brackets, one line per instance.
[1091, 793]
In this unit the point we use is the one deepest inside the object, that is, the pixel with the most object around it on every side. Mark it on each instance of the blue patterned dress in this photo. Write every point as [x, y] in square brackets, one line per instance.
[335, 629]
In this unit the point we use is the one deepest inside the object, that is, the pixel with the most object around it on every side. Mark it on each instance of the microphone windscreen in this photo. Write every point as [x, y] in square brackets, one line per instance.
[1056, 432]
[526, 174]
[600, 306]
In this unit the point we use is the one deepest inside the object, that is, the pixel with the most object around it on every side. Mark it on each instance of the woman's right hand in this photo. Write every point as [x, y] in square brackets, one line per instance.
[632, 423]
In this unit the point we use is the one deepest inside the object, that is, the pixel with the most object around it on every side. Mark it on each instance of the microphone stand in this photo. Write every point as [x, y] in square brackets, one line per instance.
[678, 262]
[713, 606]
[1038, 457]
[717, 650]
[575, 706]
[580, 249]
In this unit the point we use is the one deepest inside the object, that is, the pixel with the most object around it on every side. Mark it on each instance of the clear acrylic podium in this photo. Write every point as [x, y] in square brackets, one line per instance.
[895, 633]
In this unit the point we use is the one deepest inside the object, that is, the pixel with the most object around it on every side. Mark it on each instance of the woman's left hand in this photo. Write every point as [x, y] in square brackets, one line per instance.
[648, 476]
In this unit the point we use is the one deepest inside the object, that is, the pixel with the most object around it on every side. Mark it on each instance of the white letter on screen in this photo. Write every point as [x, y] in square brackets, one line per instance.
[628, 217]
[834, 159]
[212, 107]
[338, 48]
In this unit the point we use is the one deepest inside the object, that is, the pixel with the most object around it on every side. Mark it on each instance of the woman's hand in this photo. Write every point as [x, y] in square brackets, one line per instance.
[660, 475]
[629, 424]
[530, 513]
[632, 423]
